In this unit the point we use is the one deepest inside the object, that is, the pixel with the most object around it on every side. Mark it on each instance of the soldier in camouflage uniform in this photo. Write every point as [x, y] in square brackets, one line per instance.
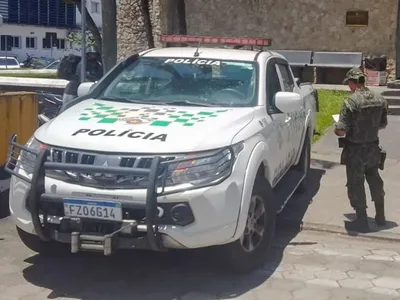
[362, 115]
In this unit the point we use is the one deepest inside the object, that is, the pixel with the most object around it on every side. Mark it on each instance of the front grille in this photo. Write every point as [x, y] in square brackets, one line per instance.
[110, 181]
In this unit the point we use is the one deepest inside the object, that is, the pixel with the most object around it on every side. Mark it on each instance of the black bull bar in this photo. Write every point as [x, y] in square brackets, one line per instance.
[156, 174]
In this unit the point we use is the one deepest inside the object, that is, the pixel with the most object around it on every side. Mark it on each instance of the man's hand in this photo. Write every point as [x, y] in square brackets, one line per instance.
[339, 132]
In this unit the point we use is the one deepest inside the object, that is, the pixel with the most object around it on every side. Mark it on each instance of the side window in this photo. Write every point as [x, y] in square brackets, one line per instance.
[287, 78]
[273, 85]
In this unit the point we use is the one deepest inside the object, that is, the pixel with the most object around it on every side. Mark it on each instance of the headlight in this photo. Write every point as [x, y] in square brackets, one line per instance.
[27, 160]
[204, 168]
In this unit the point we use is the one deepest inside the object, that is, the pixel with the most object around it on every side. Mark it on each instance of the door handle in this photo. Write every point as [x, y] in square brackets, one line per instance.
[287, 120]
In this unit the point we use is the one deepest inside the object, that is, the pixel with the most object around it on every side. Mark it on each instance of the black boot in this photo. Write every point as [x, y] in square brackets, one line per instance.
[380, 214]
[361, 223]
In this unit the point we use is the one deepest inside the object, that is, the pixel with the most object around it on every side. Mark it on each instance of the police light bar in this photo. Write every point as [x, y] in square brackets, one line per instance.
[215, 40]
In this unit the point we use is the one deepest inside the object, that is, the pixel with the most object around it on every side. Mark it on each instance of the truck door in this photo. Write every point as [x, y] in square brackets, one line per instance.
[295, 120]
[280, 121]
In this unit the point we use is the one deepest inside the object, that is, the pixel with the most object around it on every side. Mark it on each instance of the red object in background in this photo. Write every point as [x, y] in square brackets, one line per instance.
[375, 78]
[215, 40]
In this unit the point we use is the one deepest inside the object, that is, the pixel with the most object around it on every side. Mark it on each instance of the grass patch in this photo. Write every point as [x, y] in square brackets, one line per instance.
[29, 75]
[329, 104]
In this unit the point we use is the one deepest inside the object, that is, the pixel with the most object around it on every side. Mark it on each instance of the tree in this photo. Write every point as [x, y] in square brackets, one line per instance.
[148, 27]
[91, 25]
[109, 49]
[181, 16]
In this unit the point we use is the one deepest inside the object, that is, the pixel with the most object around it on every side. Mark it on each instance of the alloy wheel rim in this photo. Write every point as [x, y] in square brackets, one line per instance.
[255, 225]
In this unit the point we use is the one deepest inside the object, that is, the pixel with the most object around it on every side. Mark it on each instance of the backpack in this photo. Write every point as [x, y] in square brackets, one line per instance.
[68, 66]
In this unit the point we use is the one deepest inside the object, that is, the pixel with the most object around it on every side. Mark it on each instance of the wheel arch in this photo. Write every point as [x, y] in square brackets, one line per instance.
[307, 132]
[257, 166]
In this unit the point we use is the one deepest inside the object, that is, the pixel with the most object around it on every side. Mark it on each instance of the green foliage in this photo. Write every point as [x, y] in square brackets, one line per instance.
[75, 38]
[329, 104]
[29, 75]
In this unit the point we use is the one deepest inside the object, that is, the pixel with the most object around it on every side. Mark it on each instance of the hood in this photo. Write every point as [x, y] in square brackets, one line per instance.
[138, 128]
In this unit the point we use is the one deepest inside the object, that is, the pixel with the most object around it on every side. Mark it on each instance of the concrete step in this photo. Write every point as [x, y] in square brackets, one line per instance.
[394, 84]
[394, 110]
[392, 100]
[391, 92]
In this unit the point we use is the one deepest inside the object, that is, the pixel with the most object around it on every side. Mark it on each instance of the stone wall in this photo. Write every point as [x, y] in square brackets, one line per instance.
[292, 24]
[131, 35]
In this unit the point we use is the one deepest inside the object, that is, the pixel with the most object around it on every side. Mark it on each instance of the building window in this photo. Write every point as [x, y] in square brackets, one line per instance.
[95, 7]
[7, 42]
[30, 42]
[60, 43]
[357, 18]
[17, 42]
[46, 44]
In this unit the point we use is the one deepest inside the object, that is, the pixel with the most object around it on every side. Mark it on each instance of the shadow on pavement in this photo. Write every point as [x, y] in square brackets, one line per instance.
[372, 225]
[324, 164]
[147, 275]
[292, 216]
[163, 276]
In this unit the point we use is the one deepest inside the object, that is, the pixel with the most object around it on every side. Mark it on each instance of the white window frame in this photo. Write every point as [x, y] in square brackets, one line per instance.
[95, 4]
[32, 38]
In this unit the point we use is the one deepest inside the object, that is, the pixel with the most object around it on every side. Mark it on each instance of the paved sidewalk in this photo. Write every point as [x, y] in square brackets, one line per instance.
[326, 206]
[307, 266]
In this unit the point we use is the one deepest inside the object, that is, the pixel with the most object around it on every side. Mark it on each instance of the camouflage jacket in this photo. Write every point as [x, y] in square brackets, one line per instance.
[361, 116]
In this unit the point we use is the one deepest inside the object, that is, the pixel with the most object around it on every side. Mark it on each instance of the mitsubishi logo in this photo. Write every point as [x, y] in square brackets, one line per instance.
[106, 161]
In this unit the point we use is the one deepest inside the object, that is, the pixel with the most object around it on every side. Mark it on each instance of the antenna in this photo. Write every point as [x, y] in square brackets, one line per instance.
[196, 54]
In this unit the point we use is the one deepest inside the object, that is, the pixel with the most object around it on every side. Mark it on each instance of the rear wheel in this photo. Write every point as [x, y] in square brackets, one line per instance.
[304, 165]
[251, 250]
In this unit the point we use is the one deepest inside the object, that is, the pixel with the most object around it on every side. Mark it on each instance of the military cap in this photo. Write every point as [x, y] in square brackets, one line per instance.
[354, 73]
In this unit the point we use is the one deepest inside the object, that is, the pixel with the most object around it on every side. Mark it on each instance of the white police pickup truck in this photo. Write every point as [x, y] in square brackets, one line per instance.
[177, 147]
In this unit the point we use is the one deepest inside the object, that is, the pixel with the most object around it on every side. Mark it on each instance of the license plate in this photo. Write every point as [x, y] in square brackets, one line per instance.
[102, 210]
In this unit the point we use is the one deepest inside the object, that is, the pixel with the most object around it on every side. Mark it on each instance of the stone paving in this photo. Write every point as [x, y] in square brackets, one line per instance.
[325, 205]
[307, 266]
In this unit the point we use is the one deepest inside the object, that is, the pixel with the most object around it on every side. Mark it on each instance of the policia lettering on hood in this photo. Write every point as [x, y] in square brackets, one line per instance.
[126, 133]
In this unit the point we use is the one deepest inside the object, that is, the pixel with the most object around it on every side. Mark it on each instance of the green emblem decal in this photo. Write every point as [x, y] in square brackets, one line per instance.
[160, 117]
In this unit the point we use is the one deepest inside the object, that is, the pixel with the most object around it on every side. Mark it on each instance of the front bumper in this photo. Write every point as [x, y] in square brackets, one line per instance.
[209, 218]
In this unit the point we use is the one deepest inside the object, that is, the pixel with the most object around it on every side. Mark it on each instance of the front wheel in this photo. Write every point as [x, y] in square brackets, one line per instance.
[251, 250]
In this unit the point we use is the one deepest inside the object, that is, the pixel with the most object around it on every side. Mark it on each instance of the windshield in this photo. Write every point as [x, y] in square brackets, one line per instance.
[8, 62]
[202, 81]
[53, 65]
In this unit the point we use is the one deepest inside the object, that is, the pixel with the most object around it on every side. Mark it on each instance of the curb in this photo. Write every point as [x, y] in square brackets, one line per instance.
[305, 226]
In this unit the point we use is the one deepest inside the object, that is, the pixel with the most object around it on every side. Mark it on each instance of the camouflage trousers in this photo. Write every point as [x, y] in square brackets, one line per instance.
[362, 164]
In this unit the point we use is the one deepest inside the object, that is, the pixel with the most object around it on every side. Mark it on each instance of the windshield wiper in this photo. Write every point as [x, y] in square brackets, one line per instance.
[189, 103]
[154, 102]
[124, 100]
[114, 99]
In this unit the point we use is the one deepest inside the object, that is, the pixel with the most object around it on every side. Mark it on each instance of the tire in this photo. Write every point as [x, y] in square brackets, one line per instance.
[34, 243]
[304, 165]
[3, 174]
[234, 255]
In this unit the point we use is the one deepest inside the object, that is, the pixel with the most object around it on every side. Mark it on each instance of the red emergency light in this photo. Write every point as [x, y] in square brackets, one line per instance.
[215, 40]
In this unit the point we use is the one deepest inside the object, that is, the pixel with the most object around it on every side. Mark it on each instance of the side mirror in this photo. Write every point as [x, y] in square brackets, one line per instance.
[21, 64]
[43, 119]
[298, 81]
[288, 102]
[84, 88]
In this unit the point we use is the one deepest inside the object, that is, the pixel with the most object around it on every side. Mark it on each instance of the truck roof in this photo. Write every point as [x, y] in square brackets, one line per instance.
[210, 53]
